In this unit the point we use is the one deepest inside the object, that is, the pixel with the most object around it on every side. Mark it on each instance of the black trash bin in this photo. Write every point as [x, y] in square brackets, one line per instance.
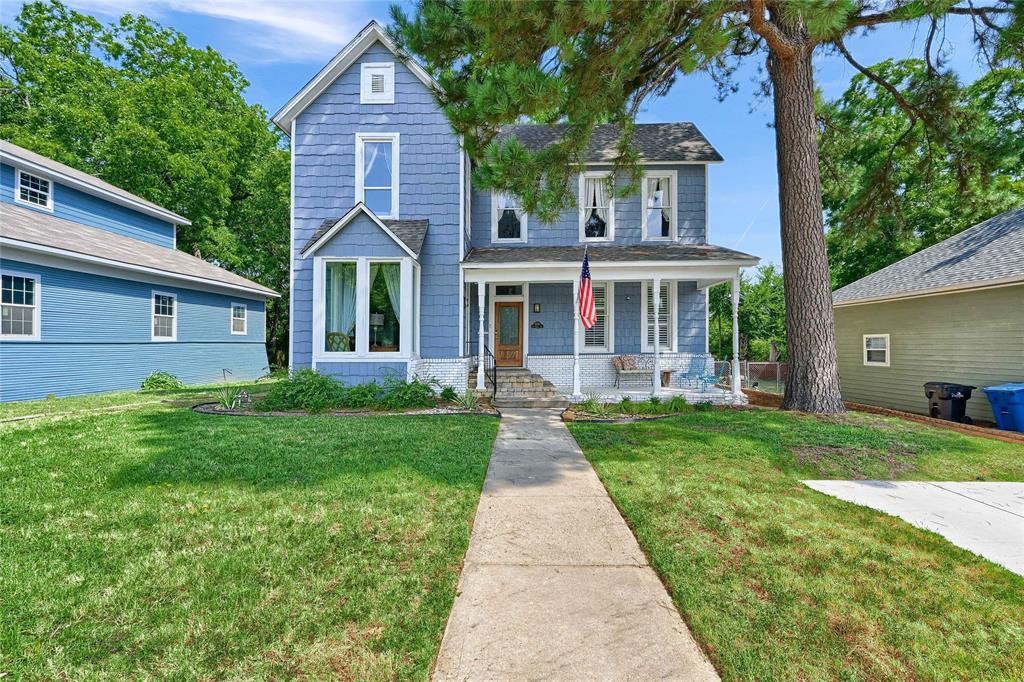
[947, 400]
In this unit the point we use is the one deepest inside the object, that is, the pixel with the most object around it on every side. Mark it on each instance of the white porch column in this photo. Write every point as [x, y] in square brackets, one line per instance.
[481, 297]
[656, 293]
[576, 388]
[736, 388]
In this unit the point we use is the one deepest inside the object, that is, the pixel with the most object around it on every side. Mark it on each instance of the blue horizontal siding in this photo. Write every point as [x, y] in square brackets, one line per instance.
[86, 209]
[362, 372]
[96, 336]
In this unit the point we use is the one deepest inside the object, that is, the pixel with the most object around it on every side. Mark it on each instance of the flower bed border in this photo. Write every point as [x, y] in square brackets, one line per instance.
[211, 408]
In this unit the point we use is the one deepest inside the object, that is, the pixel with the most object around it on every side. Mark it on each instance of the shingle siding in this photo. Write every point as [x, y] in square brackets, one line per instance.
[95, 335]
[363, 238]
[974, 338]
[363, 372]
[86, 209]
[324, 186]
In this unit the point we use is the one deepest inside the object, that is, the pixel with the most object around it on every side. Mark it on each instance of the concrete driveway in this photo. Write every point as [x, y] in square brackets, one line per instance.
[985, 518]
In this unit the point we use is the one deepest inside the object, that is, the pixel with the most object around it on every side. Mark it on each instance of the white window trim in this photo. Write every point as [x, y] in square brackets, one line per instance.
[152, 317]
[609, 322]
[393, 138]
[610, 232]
[864, 349]
[361, 354]
[36, 316]
[524, 220]
[18, 172]
[673, 234]
[244, 318]
[673, 328]
[366, 71]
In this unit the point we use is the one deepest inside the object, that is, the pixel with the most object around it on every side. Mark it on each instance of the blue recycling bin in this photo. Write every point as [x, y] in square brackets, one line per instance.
[1007, 402]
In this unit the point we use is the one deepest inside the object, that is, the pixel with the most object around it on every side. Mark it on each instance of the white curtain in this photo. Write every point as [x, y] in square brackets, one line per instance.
[341, 299]
[655, 193]
[596, 190]
[393, 280]
[377, 150]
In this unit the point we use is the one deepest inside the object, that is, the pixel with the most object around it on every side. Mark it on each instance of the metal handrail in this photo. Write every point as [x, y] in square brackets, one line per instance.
[490, 360]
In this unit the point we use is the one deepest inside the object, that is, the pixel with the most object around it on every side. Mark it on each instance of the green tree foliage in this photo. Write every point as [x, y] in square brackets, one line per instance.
[892, 186]
[762, 316]
[133, 103]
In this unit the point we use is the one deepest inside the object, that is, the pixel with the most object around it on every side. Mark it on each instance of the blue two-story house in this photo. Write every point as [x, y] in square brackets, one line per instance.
[401, 266]
[95, 296]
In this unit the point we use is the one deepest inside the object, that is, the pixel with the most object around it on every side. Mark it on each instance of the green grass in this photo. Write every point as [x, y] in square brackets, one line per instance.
[157, 542]
[780, 582]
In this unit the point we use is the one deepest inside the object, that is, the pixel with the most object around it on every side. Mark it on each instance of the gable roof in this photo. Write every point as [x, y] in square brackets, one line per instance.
[681, 141]
[31, 162]
[45, 233]
[408, 234]
[371, 33]
[989, 254]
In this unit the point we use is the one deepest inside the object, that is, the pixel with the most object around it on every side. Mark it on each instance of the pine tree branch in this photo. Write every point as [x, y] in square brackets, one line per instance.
[777, 42]
[899, 15]
[913, 112]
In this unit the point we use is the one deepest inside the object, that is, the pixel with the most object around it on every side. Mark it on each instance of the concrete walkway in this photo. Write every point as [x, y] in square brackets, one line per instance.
[555, 586]
[985, 518]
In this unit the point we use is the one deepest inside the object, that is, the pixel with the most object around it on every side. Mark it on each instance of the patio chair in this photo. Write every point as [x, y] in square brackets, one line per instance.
[710, 378]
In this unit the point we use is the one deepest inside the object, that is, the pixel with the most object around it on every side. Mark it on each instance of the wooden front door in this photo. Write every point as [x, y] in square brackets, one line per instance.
[508, 334]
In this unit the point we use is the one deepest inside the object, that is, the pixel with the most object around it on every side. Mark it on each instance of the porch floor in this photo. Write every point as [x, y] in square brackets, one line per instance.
[613, 394]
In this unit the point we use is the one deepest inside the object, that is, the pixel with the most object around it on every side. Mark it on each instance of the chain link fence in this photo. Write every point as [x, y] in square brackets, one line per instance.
[769, 377]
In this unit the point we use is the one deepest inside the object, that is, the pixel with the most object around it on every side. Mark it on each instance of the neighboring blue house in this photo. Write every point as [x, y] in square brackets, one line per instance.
[401, 267]
[95, 297]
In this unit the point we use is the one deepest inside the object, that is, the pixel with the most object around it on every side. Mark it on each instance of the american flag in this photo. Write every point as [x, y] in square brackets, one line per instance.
[588, 313]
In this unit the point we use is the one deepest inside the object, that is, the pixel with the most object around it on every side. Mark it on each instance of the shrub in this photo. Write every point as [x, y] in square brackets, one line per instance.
[676, 403]
[399, 395]
[363, 395]
[468, 400]
[449, 395]
[626, 405]
[306, 390]
[162, 381]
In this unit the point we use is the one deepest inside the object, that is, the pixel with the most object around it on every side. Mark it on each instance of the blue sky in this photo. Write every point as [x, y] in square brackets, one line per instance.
[279, 46]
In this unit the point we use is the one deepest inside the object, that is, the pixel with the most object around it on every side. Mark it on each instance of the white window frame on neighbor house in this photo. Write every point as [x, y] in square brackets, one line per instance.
[18, 175]
[362, 353]
[393, 138]
[37, 306]
[152, 316]
[381, 70]
[610, 227]
[495, 216]
[673, 194]
[609, 322]
[886, 350]
[244, 318]
[673, 330]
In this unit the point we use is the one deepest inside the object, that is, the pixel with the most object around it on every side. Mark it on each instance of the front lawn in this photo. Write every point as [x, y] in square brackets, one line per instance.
[157, 542]
[780, 582]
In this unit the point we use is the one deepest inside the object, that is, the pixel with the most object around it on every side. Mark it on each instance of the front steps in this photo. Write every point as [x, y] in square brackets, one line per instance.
[519, 387]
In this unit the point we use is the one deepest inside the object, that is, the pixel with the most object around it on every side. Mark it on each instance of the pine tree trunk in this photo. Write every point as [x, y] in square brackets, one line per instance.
[813, 384]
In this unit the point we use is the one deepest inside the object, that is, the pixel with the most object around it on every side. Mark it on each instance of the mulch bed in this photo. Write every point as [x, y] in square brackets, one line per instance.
[762, 399]
[214, 408]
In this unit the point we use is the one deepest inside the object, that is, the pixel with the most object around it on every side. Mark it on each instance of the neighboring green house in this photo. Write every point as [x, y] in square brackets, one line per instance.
[952, 312]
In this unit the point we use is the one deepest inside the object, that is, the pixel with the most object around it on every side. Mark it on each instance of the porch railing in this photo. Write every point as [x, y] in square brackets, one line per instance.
[491, 370]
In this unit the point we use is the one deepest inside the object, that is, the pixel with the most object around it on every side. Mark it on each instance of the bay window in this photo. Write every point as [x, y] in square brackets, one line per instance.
[659, 206]
[377, 172]
[597, 207]
[385, 307]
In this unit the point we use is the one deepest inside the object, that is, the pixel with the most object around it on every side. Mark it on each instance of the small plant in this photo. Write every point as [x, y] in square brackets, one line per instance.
[449, 395]
[306, 390]
[229, 397]
[703, 407]
[592, 403]
[468, 400]
[405, 394]
[675, 404]
[627, 406]
[363, 395]
[162, 381]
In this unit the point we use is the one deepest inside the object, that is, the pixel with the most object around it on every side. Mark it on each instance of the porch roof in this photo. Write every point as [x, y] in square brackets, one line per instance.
[610, 253]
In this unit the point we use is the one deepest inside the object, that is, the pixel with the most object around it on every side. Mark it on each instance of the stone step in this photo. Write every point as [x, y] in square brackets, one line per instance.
[531, 402]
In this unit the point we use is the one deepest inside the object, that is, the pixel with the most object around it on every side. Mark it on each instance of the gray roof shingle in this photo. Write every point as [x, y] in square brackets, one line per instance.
[653, 141]
[411, 232]
[991, 250]
[43, 229]
[8, 149]
[612, 253]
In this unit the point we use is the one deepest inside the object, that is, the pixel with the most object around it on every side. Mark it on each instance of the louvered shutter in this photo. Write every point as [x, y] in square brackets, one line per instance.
[596, 336]
[664, 318]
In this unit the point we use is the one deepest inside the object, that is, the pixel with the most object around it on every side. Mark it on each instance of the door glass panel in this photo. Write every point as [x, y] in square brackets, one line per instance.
[508, 334]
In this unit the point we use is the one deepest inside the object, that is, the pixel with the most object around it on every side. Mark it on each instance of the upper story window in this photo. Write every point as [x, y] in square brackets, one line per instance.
[19, 306]
[239, 318]
[34, 191]
[659, 206]
[876, 349]
[597, 207]
[165, 316]
[508, 220]
[377, 172]
[377, 83]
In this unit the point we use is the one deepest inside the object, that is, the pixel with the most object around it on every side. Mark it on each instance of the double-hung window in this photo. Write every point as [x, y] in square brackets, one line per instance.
[659, 206]
[19, 306]
[165, 316]
[597, 207]
[508, 220]
[33, 190]
[239, 319]
[364, 306]
[377, 172]
[598, 337]
[665, 317]
[876, 350]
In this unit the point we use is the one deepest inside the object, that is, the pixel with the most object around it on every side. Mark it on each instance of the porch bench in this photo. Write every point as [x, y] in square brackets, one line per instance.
[633, 366]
